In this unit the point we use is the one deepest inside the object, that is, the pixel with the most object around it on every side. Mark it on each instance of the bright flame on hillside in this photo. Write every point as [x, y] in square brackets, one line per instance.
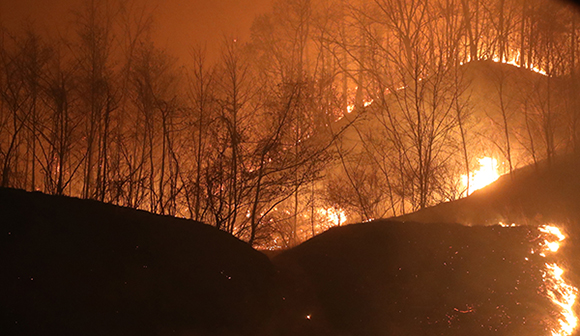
[334, 216]
[560, 293]
[485, 175]
[366, 103]
[515, 61]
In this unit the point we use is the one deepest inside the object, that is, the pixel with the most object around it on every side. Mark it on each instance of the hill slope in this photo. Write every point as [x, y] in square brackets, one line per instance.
[77, 267]
[81, 267]
[393, 278]
[531, 195]
[404, 277]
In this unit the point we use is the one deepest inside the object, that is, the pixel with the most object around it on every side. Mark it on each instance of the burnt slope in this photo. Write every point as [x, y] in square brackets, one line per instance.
[77, 267]
[393, 278]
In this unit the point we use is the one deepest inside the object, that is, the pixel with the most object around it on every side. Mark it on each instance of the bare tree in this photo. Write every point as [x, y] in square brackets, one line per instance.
[155, 98]
[14, 99]
[96, 91]
[202, 105]
[60, 134]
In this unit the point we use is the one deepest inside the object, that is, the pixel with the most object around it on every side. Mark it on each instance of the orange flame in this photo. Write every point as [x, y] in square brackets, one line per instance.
[560, 293]
[485, 175]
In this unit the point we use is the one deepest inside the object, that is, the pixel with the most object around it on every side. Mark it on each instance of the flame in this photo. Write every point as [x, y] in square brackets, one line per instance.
[553, 230]
[560, 293]
[515, 60]
[333, 215]
[485, 175]
[553, 246]
[537, 69]
[366, 103]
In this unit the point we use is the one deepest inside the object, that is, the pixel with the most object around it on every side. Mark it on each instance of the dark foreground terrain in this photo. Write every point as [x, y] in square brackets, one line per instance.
[392, 278]
[478, 278]
[76, 267]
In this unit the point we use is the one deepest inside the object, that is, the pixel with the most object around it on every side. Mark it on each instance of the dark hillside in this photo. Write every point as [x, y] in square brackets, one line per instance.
[533, 195]
[410, 278]
[391, 278]
[77, 267]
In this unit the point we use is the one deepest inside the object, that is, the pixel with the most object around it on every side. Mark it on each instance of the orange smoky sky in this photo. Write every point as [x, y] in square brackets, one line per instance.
[178, 24]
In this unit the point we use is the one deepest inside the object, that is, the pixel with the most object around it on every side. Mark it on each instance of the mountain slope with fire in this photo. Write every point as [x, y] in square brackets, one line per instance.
[384, 278]
[81, 267]
[526, 225]
[534, 195]
[491, 119]
[256, 142]
[361, 272]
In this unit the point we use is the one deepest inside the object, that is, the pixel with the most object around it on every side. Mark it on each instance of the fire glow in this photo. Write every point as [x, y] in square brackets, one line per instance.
[485, 175]
[562, 294]
[515, 61]
[333, 215]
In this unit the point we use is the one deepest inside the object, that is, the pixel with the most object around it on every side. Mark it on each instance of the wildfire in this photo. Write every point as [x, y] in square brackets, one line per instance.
[334, 216]
[560, 293]
[515, 61]
[366, 103]
[485, 175]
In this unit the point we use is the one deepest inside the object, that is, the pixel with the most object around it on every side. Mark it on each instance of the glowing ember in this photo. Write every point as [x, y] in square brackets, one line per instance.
[366, 103]
[560, 293]
[485, 175]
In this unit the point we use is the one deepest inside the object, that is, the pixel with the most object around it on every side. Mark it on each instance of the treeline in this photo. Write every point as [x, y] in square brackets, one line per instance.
[422, 76]
[259, 141]
[107, 115]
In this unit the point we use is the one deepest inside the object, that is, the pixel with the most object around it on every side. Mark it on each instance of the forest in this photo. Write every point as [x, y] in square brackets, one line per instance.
[335, 111]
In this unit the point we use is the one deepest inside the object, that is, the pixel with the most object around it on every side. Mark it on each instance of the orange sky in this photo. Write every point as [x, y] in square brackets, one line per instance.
[179, 23]
[183, 23]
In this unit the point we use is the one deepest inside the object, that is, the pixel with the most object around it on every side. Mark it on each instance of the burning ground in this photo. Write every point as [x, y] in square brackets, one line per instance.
[389, 278]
